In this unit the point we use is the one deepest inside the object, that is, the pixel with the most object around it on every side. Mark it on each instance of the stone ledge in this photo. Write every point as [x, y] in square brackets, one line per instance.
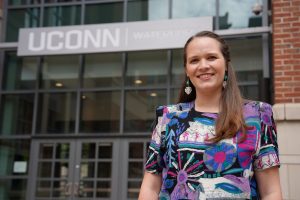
[287, 111]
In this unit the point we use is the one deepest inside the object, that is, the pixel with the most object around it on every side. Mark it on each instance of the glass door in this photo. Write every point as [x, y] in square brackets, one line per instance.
[73, 170]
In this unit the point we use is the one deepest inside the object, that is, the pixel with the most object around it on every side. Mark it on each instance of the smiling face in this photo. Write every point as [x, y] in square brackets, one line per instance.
[205, 65]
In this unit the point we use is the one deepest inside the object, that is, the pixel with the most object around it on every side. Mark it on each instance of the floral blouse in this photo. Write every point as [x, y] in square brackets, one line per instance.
[193, 168]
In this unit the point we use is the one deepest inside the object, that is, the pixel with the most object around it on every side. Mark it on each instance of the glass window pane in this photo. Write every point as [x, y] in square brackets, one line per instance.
[13, 153]
[104, 170]
[60, 72]
[103, 189]
[19, 73]
[135, 169]
[174, 96]
[20, 18]
[62, 15]
[44, 169]
[61, 169]
[147, 68]
[138, 10]
[43, 189]
[133, 189]
[59, 189]
[16, 2]
[16, 114]
[62, 151]
[88, 150]
[56, 113]
[100, 112]
[140, 109]
[13, 189]
[86, 189]
[178, 70]
[105, 150]
[136, 150]
[46, 151]
[238, 14]
[102, 70]
[87, 170]
[247, 60]
[193, 8]
[103, 13]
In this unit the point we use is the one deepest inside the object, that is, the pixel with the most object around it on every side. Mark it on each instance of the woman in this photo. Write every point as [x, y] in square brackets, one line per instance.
[212, 144]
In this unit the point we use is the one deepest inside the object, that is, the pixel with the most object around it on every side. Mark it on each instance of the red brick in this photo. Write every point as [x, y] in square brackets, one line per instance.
[283, 100]
[292, 94]
[291, 19]
[283, 78]
[284, 89]
[296, 67]
[292, 62]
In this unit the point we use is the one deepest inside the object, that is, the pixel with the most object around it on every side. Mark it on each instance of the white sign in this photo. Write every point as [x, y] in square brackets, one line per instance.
[131, 36]
[20, 167]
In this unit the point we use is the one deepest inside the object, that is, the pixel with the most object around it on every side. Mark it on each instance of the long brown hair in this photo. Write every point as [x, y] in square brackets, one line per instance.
[230, 119]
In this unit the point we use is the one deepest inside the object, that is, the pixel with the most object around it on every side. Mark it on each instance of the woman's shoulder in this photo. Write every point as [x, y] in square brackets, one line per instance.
[256, 107]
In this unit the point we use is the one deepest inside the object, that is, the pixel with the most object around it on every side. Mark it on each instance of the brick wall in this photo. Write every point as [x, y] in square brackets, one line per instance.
[286, 50]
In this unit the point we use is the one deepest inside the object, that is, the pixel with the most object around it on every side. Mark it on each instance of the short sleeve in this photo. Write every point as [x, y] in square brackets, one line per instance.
[267, 150]
[154, 159]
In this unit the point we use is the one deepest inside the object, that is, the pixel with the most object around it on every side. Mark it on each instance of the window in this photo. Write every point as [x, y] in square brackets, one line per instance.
[102, 70]
[19, 73]
[16, 114]
[147, 68]
[20, 18]
[100, 112]
[139, 10]
[62, 15]
[103, 13]
[56, 113]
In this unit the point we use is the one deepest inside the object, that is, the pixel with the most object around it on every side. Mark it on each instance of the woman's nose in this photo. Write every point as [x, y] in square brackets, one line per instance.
[203, 65]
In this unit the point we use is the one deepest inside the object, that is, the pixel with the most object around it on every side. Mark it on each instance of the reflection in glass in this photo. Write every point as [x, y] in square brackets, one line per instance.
[174, 95]
[102, 70]
[62, 15]
[238, 14]
[62, 151]
[88, 150]
[194, 8]
[133, 189]
[103, 13]
[61, 169]
[60, 72]
[178, 71]
[44, 169]
[13, 189]
[247, 60]
[56, 113]
[104, 170]
[46, 151]
[100, 112]
[135, 169]
[20, 18]
[140, 10]
[103, 189]
[14, 152]
[140, 109]
[147, 68]
[59, 188]
[43, 188]
[105, 150]
[16, 3]
[19, 73]
[86, 189]
[87, 170]
[16, 114]
[136, 150]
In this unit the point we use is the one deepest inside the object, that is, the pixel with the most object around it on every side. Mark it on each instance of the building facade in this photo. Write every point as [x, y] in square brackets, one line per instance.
[76, 124]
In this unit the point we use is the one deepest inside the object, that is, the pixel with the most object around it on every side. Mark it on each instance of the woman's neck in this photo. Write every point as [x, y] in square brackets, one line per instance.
[208, 102]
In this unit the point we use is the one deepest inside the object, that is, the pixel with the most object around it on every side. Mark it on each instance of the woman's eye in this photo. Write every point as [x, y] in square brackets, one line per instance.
[194, 61]
[212, 58]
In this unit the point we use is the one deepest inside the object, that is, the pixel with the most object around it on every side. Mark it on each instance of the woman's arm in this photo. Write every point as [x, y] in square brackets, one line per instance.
[269, 184]
[150, 187]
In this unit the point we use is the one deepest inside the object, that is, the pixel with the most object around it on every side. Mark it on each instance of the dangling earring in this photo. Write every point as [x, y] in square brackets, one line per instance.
[225, 79]
[188, 88]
